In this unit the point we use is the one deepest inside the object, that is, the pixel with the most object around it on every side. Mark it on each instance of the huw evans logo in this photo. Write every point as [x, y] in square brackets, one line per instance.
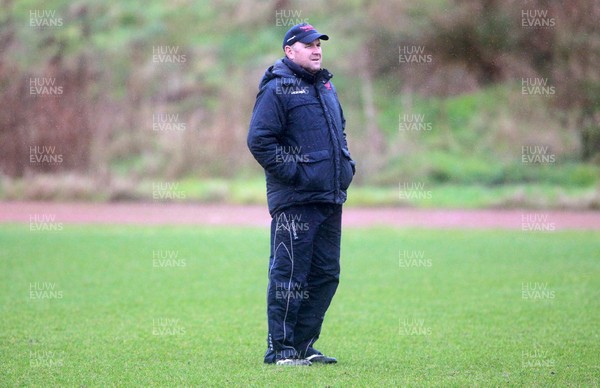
[167, 327]
[44, 86]
[537, 155]
[167, 191]
[289, 18]
[167, 122]
[414, 259]
[291, 290]
[167, 258]
[413, 54]
[537, 18]
[537, 86]
[46, 359]
[414, 327]
[290, 86]
[292, 223]
[537, 358]
[413, 191]
[537, 222]
[44, 223]
[39, 155]
[44, 19]
[413, 122]
[44, 290]
[290, 154]
[167, 54]
[536, 291]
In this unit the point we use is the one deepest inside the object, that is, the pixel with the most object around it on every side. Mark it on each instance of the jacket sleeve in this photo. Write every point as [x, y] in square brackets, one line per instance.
[266, 129]
[345, 145]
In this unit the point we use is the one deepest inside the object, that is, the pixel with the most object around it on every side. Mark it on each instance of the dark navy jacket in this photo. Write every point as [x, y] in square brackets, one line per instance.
[297, 135]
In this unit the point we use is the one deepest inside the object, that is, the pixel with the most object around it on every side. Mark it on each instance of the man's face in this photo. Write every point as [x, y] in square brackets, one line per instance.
[307, 55]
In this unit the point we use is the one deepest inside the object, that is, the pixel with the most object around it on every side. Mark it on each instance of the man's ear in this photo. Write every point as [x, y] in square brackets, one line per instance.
[289, 52]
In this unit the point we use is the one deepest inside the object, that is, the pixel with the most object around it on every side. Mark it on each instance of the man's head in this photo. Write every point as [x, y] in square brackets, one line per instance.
[302, 45]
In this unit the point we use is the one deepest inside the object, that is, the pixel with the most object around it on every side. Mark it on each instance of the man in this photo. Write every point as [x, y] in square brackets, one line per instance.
[297, 135]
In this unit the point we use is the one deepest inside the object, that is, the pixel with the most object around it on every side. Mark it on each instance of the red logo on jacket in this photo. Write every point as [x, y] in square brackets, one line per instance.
[327, 85]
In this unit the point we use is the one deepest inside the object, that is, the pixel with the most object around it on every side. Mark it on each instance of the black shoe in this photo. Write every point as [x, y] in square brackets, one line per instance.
[321, 359]
[315, 356]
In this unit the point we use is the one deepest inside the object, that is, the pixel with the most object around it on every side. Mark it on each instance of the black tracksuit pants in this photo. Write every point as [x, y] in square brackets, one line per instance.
[304, 270]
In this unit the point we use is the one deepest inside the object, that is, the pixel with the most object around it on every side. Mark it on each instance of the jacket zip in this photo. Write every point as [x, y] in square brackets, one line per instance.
[334, 140]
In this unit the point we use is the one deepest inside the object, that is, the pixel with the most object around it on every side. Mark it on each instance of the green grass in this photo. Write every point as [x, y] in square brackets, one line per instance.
[532, 195]
[477, 330]
[252, 191]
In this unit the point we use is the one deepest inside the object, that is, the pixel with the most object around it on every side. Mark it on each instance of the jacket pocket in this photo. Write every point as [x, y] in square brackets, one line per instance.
[316, 171]
[347, 169]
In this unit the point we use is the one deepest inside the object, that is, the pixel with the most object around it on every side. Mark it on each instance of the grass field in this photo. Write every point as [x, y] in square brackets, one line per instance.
[252, 191]
[165, 306]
